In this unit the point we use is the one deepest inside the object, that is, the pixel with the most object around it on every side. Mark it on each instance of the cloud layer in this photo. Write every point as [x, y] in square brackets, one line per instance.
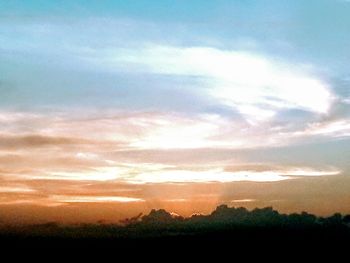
[55, 158]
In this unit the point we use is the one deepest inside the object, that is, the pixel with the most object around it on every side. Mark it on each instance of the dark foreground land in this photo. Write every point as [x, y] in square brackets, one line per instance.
[235, 229]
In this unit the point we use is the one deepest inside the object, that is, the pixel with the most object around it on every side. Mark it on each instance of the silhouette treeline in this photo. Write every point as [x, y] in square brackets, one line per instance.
[226, 216]
[224, 223]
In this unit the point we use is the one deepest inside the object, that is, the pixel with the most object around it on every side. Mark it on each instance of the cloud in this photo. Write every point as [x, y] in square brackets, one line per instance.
[94, 199]
[144, 173]
[16, 189]
[129, 130]
[35, 140]
[76, 156]
[25, 202]
[181, 132]
[257, 86]
[220, 175]
[97, 174]
[120, 146]
[346, 100]
[336, 128]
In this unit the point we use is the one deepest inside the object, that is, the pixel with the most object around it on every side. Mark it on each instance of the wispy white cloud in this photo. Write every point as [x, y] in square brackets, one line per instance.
[139, 173]
[346, 100]
[206, 176]
[219, 175]
[257, 86]
[337, 128]
[16, 189]
[87, 138]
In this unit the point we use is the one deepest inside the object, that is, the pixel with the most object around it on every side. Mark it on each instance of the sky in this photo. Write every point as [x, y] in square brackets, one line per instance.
[111, 108]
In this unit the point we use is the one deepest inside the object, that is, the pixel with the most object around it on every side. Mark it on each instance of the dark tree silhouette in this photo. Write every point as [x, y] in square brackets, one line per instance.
[224, 223]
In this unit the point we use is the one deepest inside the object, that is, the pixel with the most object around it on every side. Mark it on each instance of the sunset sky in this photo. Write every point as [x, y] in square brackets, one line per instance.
[111, 108]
